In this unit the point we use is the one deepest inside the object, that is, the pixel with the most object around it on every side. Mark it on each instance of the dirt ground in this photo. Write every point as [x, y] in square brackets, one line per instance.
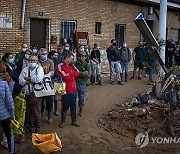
[93, 136]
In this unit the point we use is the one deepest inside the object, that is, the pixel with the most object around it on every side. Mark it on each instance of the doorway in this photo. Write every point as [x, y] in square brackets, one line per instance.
[39, 33]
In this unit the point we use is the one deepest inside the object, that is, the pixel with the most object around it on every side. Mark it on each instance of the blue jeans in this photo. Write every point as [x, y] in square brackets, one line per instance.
[117, 66]
[69, 101]
[125, 67]
[152, 63]
[81, 93]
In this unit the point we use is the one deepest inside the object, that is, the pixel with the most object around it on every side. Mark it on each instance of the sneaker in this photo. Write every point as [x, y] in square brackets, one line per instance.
[146, 75]
[112, 82]
[132, 78]
[4, 144]
[139, 78]
[119, 82]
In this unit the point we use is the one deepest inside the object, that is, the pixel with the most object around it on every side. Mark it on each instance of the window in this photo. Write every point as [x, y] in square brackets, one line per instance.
[98, 28]
[67, 31]
[120, 32]
[5, 20]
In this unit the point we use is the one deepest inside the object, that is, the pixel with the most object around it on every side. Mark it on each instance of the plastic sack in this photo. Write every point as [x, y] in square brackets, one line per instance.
[60, 88]
[20, 109]
[47, 143]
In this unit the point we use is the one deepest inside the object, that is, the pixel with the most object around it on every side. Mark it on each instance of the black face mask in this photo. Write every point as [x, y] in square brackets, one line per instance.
[114, 44]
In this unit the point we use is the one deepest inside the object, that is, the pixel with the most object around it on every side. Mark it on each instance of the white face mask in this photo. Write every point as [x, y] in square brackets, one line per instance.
[24, 49]
[125, 45]
[66, 48]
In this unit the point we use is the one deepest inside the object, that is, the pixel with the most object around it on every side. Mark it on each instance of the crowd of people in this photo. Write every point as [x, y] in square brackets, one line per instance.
[28, 67]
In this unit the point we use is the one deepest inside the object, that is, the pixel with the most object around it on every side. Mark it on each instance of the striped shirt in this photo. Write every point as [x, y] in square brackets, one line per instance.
[6, 101]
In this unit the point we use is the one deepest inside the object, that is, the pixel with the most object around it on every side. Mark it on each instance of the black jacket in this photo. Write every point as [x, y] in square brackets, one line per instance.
[113, 54]
[96, 54]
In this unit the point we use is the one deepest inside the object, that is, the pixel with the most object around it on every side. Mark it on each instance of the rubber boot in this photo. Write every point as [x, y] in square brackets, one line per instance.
[56, 112]
[99, 79]
[126, 77]
[41, 116]
[121, 75]
[37, 125]
[92, 79]
[49, 121]
[74, 119]
[63, 119]
[80, 111]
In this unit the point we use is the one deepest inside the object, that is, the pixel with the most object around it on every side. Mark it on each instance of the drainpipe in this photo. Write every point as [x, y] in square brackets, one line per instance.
[162, 43]
[23, 13]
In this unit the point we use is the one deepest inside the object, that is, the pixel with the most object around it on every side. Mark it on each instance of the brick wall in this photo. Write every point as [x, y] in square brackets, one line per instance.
[86, 13]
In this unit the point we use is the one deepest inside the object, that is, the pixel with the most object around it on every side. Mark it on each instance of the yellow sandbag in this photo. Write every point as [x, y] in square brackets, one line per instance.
[47, 143]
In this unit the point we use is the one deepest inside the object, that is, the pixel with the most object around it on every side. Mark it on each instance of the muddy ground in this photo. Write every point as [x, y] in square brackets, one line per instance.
[100, 134]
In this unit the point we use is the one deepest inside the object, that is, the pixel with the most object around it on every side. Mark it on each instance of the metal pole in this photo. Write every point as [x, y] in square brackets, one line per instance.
[23, 14]
[162, 28]
[162, 43]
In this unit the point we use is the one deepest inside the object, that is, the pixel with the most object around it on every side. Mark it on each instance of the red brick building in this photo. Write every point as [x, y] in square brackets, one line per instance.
[47, 22]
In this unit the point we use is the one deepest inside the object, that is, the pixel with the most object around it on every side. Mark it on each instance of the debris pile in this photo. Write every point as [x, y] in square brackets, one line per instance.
[159, 116]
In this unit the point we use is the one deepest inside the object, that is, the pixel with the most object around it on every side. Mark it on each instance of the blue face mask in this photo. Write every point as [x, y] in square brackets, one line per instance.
[44, 57]
[32, 65]
[35, 51]
[11, 61]
[26, 56]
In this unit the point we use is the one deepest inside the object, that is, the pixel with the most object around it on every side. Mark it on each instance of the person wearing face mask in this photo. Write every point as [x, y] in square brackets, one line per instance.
[125, 58]
[139, 56]
[11, 69]
[29, 76]
[95, 65]
[68, 72]
[81, 49]
[23, 62]
[113, 56]
[35, 51]
[48, 67]
[19, 56]
[60, 52]
[56, 79]
[66, 47]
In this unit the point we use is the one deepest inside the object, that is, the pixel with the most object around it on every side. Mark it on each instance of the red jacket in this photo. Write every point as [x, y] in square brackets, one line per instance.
[68, 73]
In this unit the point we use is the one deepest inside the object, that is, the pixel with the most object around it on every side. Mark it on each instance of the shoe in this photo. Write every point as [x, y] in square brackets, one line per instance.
[132, 78]
[37, 130]
[63, 119]
[112, 82]
[120, 82]
[4, 144]
[74, 119]
[126, 77]
[100, 84]
[139, 78]
[49, 121]
[56, 113]
[80, 111]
